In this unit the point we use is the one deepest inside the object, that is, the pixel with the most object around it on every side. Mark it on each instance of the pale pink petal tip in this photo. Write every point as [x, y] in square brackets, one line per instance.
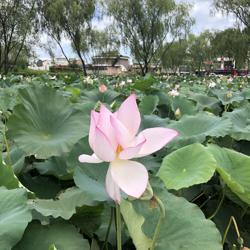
[112, 188]
[130, 176]
[89, 159]
[129, 114]
[102, 146]
[156, 138]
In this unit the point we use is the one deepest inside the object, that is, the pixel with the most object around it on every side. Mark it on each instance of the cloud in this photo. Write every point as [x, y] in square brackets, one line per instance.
[205, 19]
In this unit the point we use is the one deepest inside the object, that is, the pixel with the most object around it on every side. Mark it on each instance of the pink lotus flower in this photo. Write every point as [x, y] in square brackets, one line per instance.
[103, 88]
[113, 138]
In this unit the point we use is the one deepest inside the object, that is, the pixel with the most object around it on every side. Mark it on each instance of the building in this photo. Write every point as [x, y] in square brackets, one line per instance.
[110, 65]
[60, 62]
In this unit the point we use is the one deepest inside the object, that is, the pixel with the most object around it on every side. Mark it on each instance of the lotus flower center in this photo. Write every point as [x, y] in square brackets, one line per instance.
[119, 149]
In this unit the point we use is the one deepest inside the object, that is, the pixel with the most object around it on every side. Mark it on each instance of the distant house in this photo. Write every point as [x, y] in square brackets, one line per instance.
[110, 65]
[40, 64]
[58, 62]
[224, 63]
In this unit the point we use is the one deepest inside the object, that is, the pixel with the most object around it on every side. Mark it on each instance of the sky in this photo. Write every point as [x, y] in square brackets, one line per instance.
[201, 12]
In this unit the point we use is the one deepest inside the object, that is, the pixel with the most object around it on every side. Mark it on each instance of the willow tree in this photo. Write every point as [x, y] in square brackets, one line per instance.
[71, 19]
[232, 43]
[17, 22]
[240, 8]
[146, 25]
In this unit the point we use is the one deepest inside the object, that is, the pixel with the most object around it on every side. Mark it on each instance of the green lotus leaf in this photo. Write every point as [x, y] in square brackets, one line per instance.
[1, 134]
[206, 102]
[91, 179]
[95, 95]
[14, 216]
[65, 205]
[184, 226]
[60, 234]
[89, 220]
[56, 166]
[15, 159]
[187, 166]
[197, 127]
[151, 121]
[149, 104]
[7, 98]
[228, 97]
[241, 123]
[233, 168]
[185, 106]
[44, 187]
[45, 124]
[7, 177]
[134, 222]
[144, 83]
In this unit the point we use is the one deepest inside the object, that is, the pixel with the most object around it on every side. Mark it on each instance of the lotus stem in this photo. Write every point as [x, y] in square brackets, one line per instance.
[6, 142]
[232, 220]
[118, 227]
[108, 230]
[160, 221]
[219, 205]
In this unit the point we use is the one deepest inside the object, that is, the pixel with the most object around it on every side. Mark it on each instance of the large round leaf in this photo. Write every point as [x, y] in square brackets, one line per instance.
[241, 123]
[90, 178]
[55, 166]
[7, 98]
[206, 102]
[185, 106]
[196, 128]
[95, 96]
[45, 123]
[134, 222]
[65, 205]
[7, 177]
[149, 104]
[183, 228]
[187, 166]
[234, 170]
[228, 97]
[63, 235]
[14, 216]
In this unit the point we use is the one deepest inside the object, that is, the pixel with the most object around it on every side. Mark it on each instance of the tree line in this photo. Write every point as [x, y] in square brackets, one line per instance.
[155, 31]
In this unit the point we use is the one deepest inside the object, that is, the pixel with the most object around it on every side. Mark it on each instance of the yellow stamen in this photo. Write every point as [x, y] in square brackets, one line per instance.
[119, 149]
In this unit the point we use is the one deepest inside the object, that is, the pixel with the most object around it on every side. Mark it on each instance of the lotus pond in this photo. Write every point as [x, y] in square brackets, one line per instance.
[199, 192]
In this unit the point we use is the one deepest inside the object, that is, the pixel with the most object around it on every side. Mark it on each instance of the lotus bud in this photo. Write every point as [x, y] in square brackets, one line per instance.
[177, 114]
[103, 88]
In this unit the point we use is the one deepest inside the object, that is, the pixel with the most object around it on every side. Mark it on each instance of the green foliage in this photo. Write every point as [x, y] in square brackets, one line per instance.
[149, 104]
[239, 8]
[36, 124]
[71, 18]
[232, 43]
[65, 205]
[184, 226]
[7, 177]
[200, 49]
[187, 166]
[234, 170]
[14, 218]
[206, 166]
[206, 124]
[91, 180]
[17, 23]
[144, 25]
[60, 234]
